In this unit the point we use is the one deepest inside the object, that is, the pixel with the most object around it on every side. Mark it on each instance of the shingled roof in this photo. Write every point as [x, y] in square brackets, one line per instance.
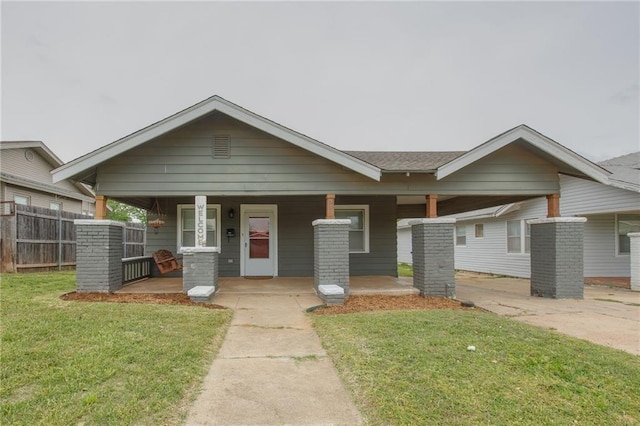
[625, 170]
[419, 161]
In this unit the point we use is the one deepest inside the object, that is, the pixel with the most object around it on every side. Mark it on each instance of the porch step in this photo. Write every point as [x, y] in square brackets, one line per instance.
[201, 293]
[331, 294]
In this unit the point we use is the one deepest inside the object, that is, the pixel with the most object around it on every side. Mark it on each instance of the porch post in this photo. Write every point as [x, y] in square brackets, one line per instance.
[432, 206]
[553, 205]
[331, 253]
[98, 255]
[557, 257]
[432, 246]
[199, 267]
[634, 258]
[330, 202]
[101, 207]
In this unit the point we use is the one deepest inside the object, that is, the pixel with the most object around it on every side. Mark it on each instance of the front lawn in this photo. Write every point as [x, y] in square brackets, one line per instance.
[413, 367]
[66, 363]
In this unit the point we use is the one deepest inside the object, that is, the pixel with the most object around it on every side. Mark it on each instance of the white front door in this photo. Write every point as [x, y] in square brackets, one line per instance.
[259, 233]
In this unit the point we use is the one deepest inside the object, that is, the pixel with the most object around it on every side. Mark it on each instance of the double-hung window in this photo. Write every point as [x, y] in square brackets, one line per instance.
[461, 235]
[626, 223]
[359, 228]
[518, 236]
[187, 225]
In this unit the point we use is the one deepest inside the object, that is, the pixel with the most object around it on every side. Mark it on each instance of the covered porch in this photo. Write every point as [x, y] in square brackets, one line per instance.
[361, 285]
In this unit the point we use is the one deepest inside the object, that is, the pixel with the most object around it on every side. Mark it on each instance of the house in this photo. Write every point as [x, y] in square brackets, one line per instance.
[490, 240]
[497, 241]
[25, 178]
[279, 203]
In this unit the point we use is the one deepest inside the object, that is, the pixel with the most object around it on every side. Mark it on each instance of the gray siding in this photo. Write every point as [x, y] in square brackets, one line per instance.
[295, 233]
[578, 198]
[180, 163]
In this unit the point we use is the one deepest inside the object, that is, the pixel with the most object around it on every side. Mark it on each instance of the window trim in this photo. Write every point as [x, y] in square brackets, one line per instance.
[179, 209]
[365, 208]
[522, 235]
[26, 197]
[58, 203]
[457, 235]
[617, 233]
[476, 227]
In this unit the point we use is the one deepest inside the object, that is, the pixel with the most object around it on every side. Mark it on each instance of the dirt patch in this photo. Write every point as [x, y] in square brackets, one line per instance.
[389, 303]
[155, 298]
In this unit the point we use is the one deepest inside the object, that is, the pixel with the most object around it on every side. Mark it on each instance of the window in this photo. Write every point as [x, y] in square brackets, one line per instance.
[479, 230]
[461, 235]
[55, 206]
[21, 199]
[626, 223]
[515, 230]
[187, 225]
[513, 236]
[359, 228]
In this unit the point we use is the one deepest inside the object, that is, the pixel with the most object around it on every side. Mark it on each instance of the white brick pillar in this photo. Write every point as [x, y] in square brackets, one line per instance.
[634, 260]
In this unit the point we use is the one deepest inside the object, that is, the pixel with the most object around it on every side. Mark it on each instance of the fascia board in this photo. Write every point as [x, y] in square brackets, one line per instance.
[535, 139]
[15, 180]
[196, 111]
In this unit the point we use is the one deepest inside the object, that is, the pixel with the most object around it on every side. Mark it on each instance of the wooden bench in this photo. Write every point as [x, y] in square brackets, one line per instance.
[166, 262]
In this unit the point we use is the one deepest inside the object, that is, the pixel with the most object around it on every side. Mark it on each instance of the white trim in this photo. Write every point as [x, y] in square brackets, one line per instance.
[556, 220]
[535, 139]
[179, 209]
[101, 222]
[259, 208]
[26, 197]
[331, 222]
[215, 103]
[365, 208]
[429, 221]
[455, 233]
[191, 250]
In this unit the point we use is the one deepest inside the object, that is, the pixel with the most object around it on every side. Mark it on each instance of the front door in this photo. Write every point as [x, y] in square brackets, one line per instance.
[259, 240]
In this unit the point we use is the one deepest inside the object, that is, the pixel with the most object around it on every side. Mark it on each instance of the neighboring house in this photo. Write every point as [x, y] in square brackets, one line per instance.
[25, 178]
[265, 185]
[497, 241]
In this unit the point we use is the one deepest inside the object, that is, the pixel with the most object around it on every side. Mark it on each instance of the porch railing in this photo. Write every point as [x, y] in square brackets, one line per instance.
[136, 268]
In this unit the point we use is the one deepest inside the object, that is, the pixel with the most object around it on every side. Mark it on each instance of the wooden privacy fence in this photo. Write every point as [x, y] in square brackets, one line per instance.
[40, 239]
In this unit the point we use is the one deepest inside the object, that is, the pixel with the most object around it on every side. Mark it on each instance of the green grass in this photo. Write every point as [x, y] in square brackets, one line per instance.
[405, 270]
[407, 368]
[65, 363]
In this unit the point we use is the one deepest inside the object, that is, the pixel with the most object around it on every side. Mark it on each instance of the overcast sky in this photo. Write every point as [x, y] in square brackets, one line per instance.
[419, 76]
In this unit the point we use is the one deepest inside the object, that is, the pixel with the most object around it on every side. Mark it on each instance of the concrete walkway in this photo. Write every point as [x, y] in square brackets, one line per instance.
[271, 368]
[607, 316]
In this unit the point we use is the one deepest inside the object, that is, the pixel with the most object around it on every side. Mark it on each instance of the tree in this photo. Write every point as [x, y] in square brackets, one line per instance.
[124, 212]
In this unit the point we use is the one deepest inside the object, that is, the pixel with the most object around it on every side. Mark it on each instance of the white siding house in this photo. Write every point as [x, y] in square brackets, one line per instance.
[496, 240]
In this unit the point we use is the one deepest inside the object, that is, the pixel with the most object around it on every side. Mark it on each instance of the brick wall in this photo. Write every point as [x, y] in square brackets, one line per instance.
[331, 253]
[199, 267]
[432, 247]
[98, 256]
[557, 265]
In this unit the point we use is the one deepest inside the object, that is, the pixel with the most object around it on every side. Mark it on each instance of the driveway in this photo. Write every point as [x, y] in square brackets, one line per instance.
[608, 316]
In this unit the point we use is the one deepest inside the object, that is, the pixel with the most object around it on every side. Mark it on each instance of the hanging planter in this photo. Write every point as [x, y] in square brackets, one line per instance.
[155, 219]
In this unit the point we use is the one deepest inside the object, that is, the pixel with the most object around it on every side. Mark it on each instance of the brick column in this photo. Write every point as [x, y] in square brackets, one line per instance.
[199, 267]
[98, 255]
[432, 246]
[557, 257]
[634, 259]
[331, 253]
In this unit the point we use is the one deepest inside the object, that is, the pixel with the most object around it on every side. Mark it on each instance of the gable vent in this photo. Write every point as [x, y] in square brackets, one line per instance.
[221, 147]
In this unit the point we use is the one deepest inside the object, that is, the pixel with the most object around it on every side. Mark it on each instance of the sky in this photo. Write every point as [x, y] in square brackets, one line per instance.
[405, 76]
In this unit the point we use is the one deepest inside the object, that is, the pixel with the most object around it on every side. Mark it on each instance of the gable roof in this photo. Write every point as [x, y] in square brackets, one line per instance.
[43, 151]
[214, 103]
[534, 139]
[625, 171]
[407, 161]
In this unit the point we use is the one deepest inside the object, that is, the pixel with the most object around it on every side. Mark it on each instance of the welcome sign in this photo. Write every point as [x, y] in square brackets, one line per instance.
[201, 221]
